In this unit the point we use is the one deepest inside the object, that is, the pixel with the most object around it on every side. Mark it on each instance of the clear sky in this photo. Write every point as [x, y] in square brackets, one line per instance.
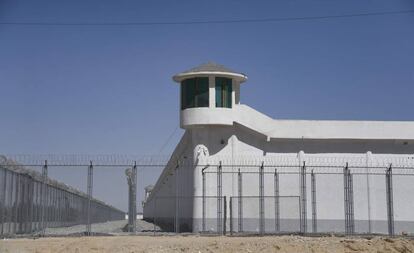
[108, 89]
[71, 89]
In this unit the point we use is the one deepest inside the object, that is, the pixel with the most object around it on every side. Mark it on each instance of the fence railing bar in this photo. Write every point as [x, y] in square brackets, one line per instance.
[89, 189]
[240, 201]
[261, 200]
[277, 202]
[345, 177]
[3, 200]
[231, 215]
[203, 200]
[390, 202]
[303, 198]
[219, 200]
[313, 196]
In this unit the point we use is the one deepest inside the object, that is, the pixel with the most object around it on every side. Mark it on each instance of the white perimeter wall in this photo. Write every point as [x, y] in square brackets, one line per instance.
[240, 146]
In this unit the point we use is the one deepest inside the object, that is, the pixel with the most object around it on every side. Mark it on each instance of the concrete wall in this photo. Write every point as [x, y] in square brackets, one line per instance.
[176, 180]
[242, 138]
[237, 145]
[245, 147]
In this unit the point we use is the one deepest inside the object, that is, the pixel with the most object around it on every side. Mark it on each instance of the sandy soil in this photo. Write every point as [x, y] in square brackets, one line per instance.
[109, 228]
[124, 244]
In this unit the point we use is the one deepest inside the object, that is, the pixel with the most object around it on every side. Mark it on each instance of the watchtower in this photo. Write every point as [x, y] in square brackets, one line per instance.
[209, 94]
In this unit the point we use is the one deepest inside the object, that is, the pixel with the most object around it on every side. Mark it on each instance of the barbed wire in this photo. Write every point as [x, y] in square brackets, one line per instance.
[85, 159]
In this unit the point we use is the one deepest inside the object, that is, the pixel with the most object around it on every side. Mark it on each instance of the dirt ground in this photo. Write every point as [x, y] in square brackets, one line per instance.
[129, 244]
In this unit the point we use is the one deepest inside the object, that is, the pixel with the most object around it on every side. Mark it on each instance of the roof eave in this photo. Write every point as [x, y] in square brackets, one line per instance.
[237, 76]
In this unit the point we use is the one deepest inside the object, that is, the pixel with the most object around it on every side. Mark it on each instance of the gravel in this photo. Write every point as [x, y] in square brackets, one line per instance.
[106, 228]
[207, 244]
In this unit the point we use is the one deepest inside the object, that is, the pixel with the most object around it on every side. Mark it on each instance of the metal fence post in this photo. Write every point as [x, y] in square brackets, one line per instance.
[351, 202]
[390, 202]
[31, 213]
[52, 206]
[346, 201]
[368, 164]
[36, 205]
[129, 179]
[261, 199]
[43, 197]
[16, 204]
[59, 208]
[303, 198]
[62, 208]
[277, 203]
[39, 206]
[240, 200]
[11, 190]
[27, 210]
[314, 217]
[90, 187]
[225, 216]
[177, 201]
[3, 200]
[231, 215]
[219, 200]
[75, 207]
[134, 197]
[203, 200]
[19, 203]
[48, 204]
[23, 205]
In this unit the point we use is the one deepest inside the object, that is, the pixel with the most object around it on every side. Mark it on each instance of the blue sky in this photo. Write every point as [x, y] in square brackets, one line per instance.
[108, 89]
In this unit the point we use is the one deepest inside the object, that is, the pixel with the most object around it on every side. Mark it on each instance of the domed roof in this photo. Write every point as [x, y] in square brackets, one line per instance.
[210, 68]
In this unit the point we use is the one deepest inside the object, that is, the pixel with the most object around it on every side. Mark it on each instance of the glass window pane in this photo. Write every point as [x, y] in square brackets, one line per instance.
[194, 93]
[223, 92]
[219, 101]
[191, 92]
[183, 95]
[228, 92]
[202, 92]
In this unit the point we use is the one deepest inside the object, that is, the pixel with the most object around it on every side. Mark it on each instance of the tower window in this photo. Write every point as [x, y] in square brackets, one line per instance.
[223, 92]
[194, 93]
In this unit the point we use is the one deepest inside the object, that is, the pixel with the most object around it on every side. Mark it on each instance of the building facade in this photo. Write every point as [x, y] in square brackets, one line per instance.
[281, 175]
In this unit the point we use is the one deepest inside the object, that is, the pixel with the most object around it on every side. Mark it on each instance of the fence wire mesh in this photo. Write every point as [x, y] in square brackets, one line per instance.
[358, 194]
[32, 203]
[280, 215]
